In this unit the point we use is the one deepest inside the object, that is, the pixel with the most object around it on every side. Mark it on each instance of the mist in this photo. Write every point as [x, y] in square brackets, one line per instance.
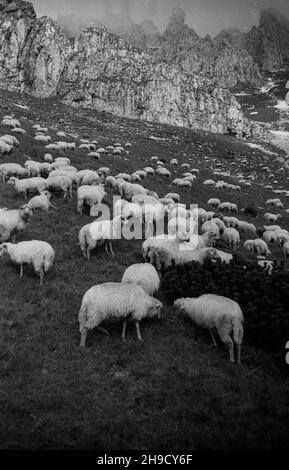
[205, 16]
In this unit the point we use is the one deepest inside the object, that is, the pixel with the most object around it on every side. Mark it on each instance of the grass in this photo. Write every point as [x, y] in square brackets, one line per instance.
[173, 391]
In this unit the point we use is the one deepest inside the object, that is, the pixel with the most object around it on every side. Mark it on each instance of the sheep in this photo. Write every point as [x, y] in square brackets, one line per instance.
[38, 253]
[214, 202]
[271, 227]
[271, 217]
[45, 139]
[41, 202]
[258, 245]
[225, 257]
[10, 122]
[115, 300]
[149, 170]
[270, 236]
[5, 148]
[174, 161]
[89, 178]
[12, 169]
[98, 233]
[220, 224]
[60, 183]
[29, 184]
[10, 140]
[216, 312]
[163, 172]
[73, 176]
[242, 225]
[228, 207]
[144, 275]
[14, 221]
[211, 226]
[179, 251]
[90, 195]
[231, 237]
[209, 183]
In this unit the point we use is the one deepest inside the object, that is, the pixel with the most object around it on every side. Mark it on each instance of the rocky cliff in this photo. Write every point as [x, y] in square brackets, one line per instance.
[102, 71]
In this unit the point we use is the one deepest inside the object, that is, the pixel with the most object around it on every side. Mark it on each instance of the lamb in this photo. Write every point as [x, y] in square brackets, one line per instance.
[60, 183]
[41, 202]
[38, 253]
[14, 221]
[90, 195]
[270, 218]
[144, 275]
[29, 184]
[216, 312]
[231, 237]
[115, 300]
[98, 233]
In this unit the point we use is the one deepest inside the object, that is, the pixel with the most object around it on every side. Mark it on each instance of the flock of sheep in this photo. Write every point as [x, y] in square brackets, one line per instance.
[182, 234]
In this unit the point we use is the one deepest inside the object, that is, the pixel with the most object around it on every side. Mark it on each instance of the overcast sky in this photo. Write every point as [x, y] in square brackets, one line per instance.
[205, 16]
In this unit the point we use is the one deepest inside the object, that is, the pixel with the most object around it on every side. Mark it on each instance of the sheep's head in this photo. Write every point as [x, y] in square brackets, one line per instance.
[4, 249]
[179, 305]
[183, 236]
[211, 253]
[12, 180]
[25, 212]
[155, 309]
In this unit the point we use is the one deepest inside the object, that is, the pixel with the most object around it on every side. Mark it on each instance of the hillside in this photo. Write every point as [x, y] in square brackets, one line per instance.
[173, 391]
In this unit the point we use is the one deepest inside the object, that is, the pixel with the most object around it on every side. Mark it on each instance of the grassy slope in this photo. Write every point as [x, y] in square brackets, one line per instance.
[171, 391]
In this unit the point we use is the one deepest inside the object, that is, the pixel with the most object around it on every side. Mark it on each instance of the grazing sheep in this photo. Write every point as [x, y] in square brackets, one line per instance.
[228, 207]
[214, 202]
[231, 237]
[12, 169]
[29, 184]
[98, 233]
[60, 183]
[211, 226]
[41, 202]
[271, 217]
[90, 195]
[259, 246]
[38, 253]
[144, 275]
[209, 183]
[216, 312]
[14, 221]
[115, 300]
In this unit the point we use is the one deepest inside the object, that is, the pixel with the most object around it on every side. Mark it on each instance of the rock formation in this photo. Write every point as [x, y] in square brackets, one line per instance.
[102, 71]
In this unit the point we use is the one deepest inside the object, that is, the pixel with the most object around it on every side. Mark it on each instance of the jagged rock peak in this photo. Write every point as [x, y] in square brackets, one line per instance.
[177, 21]
[14, 6]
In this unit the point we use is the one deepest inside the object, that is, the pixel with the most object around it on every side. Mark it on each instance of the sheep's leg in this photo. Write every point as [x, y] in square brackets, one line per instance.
[103, 330]
[225, 337]
[83, 338]
[138, 330]
[41, 274]
[124, 325]
[213, 338]
[110, 248]
[65, 194]
[105, 247]
[21, 271]
[239, 354]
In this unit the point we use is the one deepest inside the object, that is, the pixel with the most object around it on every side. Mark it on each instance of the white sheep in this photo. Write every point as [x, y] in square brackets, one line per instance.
[98, 233]
[14, 221]
[271, 217]
[41, 202]
[12, 169]
[211, 226]
[144, 275]
[115, 300]
[231, 237]
[214, 202]
[38, 253]
[60, 183]
[28, 184]
[216, 312]
[90, 195]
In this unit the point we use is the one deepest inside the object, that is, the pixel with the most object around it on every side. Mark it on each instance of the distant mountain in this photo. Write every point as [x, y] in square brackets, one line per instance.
[102, 71]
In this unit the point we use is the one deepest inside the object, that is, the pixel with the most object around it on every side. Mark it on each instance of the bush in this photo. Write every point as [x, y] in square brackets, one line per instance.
[263, 297]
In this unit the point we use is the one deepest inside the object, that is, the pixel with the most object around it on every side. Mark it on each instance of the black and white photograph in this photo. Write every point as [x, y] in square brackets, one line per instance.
[144, 228]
